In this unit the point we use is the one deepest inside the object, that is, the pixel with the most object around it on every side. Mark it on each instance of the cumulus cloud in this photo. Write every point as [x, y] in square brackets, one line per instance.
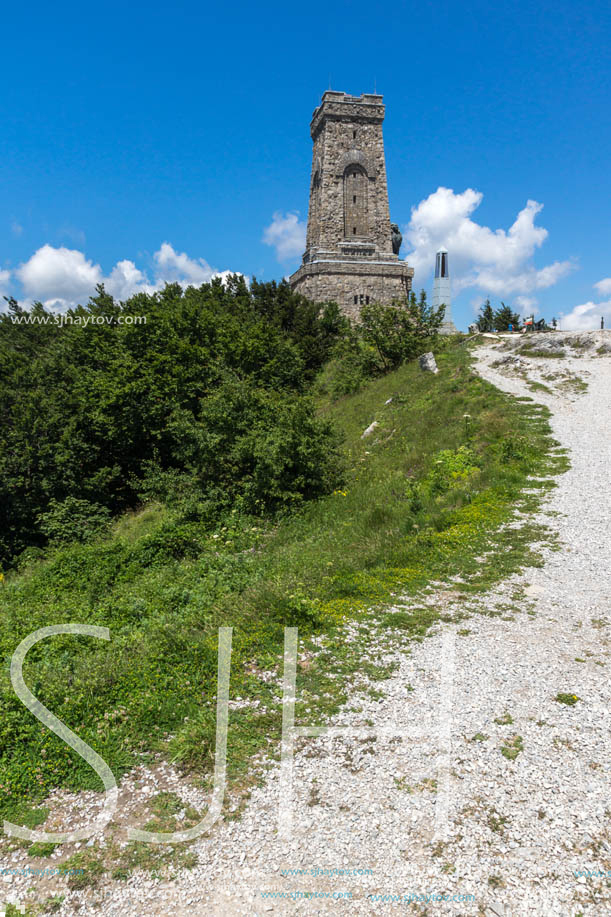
[287, 234]
[587, 316]
[58, 276]
[495, 261]
[603, 286]
[125, 279]
[177, 266]
[526, 302]
[477, 302]
[62, 277]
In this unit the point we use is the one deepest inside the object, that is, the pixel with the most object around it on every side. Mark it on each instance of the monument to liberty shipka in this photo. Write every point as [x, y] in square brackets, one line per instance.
[352, 249]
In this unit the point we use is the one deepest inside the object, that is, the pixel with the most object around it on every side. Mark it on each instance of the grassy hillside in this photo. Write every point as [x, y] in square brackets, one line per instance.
[425, 497]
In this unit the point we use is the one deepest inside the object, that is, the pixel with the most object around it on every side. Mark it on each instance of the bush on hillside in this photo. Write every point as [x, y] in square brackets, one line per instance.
[206, 394]
[261, 450]
[399, 332]
[386, 337]
[73, 520]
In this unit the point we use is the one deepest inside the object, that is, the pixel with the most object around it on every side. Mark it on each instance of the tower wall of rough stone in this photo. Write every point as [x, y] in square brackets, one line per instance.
[353, 286]
[347, 138]
[348, 215]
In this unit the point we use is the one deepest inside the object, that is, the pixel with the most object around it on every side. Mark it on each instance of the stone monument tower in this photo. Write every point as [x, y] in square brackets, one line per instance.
[441, 291]
[352, 249]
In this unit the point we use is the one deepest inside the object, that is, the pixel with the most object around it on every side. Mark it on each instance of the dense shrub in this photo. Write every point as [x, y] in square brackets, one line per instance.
[73, 520]
[206, 397]
[203, 405]
[399, 332]
[386, 337]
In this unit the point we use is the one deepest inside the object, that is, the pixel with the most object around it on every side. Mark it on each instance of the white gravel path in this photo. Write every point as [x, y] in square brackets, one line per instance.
[510, 833]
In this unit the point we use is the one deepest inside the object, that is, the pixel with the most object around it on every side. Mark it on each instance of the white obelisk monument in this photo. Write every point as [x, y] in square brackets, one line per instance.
[441, 291]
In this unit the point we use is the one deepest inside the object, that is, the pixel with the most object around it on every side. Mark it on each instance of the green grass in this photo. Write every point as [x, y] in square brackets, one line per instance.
[574, 385]
[41, 849]
[20, 812]
[83, 869]
[539, 387]
[504, 720]
[533, 351]
[569, 699]
[478, 737]
[496, 881]
[496, 822]
[512, 747]
[423, 498]
[169, 814]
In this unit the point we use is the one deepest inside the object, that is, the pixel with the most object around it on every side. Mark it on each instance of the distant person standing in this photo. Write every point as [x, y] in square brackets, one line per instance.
[602, 323]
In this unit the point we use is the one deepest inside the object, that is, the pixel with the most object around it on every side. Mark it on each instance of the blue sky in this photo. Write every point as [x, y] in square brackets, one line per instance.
[143, 142]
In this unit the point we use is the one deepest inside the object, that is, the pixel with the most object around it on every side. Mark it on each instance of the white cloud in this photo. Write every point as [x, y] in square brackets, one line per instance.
[125, 279]
[63, 277]
[526, 302]
[177, 266]
[224, 276]
[286, 234]
[586, 317]
[59, 277]
[495, 261]
[603, 286]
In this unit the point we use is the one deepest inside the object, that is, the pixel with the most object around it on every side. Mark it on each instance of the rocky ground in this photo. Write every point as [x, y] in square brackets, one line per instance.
[464, 777]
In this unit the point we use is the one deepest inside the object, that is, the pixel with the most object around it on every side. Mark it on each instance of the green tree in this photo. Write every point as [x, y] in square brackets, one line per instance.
[208, 389]
[485, 319]
[504, 317]
[399, 332]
